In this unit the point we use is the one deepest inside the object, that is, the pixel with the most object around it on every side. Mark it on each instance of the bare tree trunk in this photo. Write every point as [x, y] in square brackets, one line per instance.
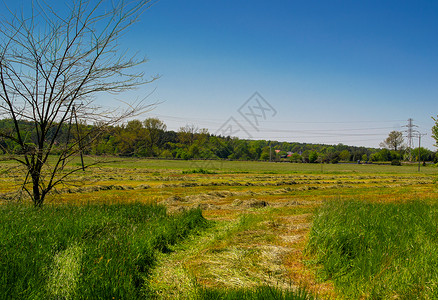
[36, 195]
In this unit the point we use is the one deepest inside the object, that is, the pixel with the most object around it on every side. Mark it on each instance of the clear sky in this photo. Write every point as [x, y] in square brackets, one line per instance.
[330, 71]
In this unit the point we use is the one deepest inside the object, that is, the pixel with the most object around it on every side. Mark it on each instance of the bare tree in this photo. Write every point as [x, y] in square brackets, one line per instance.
[186, 134]
[394, 141]
[52, 65]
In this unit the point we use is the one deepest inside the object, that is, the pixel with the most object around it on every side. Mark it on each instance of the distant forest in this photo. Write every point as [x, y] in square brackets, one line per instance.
[150, 138]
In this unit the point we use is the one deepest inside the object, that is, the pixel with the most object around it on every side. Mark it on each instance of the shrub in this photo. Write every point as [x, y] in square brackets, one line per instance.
[295, 157]
[396, 162]
[166, 154]
[199, 171]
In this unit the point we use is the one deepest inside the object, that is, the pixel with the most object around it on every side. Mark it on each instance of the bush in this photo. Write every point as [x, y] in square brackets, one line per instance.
[199, 171]
[166, 154]
[295, 157]
[335, 160]
[396, 162]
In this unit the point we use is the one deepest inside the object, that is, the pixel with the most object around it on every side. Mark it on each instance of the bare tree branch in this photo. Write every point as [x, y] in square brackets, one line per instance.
[51, 66]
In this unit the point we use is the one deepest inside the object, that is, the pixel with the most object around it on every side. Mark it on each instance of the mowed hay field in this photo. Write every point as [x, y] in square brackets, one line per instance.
[261, 217]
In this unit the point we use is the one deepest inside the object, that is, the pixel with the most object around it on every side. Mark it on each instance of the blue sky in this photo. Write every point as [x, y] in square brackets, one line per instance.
[334, 71]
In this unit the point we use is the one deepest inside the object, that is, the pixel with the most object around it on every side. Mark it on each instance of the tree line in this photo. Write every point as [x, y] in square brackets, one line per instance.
[150, 138]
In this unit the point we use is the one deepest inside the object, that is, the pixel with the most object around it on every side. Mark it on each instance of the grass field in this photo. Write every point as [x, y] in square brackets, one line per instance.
[87, 252]
[378, 250]
[264, 220]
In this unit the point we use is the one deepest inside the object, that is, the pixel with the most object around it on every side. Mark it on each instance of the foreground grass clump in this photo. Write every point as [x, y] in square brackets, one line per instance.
[258, 293]
[87, 252]
[378, 250]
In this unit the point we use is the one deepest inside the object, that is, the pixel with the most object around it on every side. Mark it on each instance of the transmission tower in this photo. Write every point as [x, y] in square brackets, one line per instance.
[410, 133]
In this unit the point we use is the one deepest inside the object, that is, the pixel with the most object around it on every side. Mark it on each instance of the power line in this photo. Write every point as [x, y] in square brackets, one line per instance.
[323, 130]
[221, 120]
[292, 130]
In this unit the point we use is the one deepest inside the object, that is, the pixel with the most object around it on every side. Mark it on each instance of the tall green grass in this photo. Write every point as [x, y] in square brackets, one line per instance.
[257, 293]
[378, 250]
[85, 252]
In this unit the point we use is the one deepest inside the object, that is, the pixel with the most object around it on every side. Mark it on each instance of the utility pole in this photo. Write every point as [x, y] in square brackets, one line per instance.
[419, 149]
[79, 138]
[410, 134]
[270, 153]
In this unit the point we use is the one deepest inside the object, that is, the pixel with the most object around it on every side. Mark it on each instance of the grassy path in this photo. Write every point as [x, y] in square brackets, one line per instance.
[261, 247]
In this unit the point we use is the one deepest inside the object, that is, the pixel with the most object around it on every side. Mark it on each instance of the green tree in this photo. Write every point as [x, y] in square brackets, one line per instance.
[321, 158]
[241, 151]
[313, 157]
[395, 155]
[344, 155]
[295, 157]
[332, 155]
[394, 141]
[130, 139]
[306, 156]
[425, 154]
[154, 132]
[265, 153]
[435, 131]
[220, 147]
[256, 148]
[385, 155]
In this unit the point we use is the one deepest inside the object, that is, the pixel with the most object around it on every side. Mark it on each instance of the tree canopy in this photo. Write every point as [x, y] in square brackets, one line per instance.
[435, 131]
[394, 141]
